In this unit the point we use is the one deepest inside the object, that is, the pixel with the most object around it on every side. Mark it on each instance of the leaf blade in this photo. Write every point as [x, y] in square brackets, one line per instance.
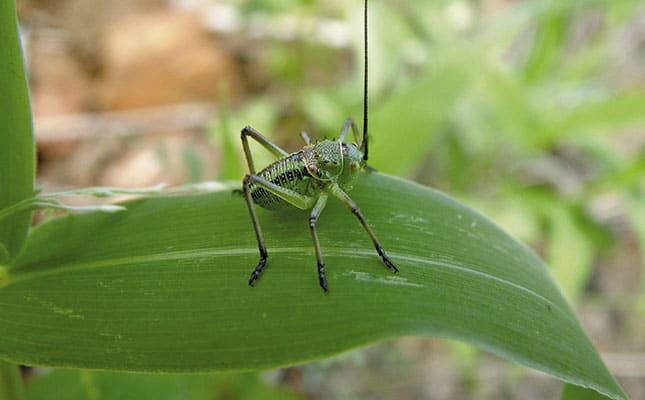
[163, 287]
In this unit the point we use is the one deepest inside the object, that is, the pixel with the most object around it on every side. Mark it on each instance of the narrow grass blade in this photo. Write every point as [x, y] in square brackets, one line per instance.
[16, 138]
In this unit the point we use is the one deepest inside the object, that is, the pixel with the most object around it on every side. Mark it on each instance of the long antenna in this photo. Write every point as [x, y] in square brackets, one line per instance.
[364, 142]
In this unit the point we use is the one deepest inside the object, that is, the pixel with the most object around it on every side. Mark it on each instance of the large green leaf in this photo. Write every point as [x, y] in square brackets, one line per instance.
[16, 139]
[163, 287]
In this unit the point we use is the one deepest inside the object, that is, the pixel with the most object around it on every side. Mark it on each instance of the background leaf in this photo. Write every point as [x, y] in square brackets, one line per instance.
[10, 383]
[162, 288]
[82, 385]
[16, 138]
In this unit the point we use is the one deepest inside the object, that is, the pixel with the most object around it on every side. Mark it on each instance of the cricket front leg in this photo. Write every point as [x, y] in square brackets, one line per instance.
[305, 137]
[313, 218]
[338, 192]
[258, 231]
[349, 123]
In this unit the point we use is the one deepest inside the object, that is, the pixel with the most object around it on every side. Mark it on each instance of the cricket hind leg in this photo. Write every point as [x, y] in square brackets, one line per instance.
[258, 231]
[278, 152]
[350, 123]
[266, 143]
[338, 192]
[290, 196]
[313, 218]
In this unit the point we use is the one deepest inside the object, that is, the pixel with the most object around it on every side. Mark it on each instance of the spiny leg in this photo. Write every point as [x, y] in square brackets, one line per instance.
[343, 132]
[258, 231]
[349, 122]
[338, 192]
[305, 137]
[313, 218]
[266, 143]
[290, 196]
[278, 152]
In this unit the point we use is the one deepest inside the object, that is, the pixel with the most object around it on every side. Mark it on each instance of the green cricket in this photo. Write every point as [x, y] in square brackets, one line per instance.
[305, 179]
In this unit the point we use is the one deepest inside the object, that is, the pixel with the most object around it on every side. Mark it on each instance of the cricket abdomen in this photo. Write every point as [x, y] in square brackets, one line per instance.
[290, 173]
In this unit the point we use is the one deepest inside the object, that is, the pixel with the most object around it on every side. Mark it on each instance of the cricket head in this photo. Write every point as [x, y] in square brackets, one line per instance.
[324, 160]
[333, 160]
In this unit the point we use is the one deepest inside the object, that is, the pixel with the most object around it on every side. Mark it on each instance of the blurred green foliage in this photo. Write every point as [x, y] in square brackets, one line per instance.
[81, 385]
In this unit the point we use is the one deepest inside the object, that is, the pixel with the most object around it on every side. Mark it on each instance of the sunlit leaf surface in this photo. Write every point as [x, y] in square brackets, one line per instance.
[163, 287]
